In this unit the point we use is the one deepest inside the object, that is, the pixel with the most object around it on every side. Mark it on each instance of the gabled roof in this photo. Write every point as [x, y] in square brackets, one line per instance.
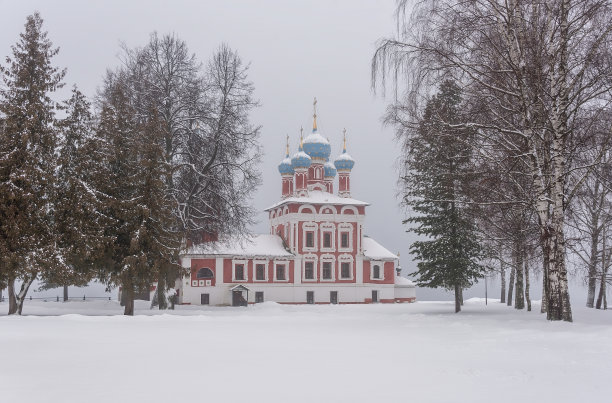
[375, 251]
[258, 245]
[239, 287]
[319, 197]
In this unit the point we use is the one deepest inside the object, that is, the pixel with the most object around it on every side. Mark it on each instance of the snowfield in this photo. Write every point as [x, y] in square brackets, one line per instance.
[419, 352]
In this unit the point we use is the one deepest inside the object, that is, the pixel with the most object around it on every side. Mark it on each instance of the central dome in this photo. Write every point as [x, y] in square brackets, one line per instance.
[317, 146]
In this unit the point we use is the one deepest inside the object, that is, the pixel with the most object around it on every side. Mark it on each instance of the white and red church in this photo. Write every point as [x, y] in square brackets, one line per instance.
[316, 251]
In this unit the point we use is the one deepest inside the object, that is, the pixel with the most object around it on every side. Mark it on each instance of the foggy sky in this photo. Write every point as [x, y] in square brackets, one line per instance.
[296, 49]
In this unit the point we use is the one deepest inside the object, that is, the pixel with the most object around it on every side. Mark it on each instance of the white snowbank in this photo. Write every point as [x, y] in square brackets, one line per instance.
[419, 352]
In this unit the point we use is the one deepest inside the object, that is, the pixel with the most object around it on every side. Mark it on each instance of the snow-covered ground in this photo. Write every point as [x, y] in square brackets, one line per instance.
[418, 352]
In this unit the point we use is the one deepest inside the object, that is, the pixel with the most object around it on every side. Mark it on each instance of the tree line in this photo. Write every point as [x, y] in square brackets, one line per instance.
[112, 188]
[503, 111]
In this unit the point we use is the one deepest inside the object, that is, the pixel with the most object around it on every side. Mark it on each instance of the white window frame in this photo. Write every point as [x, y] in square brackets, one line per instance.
[381, 266]
[331, 229]
[310, 227]
[286, 264]
[329, 259]
[345, 227]
[245, 264]
[346, 259]
[255, 263]
[314, 260]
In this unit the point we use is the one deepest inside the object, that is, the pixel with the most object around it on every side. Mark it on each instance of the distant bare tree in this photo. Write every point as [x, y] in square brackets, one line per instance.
[207, 140]
[591, 213]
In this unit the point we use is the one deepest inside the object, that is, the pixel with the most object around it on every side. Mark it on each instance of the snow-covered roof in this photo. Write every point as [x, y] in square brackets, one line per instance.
[375, 251]
[258, 245]
[403, 281]
[320, 197]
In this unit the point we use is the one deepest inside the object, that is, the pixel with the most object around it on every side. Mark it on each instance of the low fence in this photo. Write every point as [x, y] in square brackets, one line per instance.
[58, 298]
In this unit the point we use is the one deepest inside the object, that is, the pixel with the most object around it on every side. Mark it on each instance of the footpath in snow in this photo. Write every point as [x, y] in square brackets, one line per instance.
[86, 351]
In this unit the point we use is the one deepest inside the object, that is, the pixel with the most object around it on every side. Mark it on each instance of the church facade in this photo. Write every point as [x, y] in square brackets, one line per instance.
[316, 251]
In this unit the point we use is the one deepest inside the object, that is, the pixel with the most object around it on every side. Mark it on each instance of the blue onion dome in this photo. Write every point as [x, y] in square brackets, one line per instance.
[315, 145]
[301, 159]
[344, 162]
[329, 170]
[285, 166]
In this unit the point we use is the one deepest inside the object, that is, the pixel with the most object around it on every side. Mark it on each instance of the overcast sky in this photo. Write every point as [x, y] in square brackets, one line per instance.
[296, 49]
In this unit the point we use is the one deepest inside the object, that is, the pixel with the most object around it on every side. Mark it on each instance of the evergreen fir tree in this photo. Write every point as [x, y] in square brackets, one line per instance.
[138, 243]
[27, 159]
[76, 226]
[437, 186]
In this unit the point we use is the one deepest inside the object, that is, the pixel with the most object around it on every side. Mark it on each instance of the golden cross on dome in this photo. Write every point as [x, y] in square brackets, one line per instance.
[344, 132]
[287, 144]
[301, 136]
[314, 115]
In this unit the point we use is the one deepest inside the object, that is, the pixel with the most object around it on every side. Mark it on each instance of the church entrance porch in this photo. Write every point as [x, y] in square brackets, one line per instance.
[238, 295]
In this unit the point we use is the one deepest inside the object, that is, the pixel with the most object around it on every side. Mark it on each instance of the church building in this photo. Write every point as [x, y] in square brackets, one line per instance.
[316, 251]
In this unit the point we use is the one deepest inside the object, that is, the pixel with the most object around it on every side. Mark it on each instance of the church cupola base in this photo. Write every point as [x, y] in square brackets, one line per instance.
[344, 184]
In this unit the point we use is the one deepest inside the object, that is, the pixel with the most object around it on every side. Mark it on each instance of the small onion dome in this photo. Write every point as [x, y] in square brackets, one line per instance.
[300, 159]
[317, 146]
[329, 171]
[285, 166]
[344, 162]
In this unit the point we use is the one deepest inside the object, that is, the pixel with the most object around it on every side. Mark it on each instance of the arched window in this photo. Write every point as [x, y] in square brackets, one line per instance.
[205, 272]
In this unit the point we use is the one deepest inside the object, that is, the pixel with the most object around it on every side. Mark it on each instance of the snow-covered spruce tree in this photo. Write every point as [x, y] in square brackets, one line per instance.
[76, 226]
[437, 173]
[27, 160]
[138, 240]
[207, 138]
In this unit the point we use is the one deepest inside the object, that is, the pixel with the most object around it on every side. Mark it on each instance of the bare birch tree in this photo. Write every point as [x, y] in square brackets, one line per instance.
[208, 139]
[533, 69]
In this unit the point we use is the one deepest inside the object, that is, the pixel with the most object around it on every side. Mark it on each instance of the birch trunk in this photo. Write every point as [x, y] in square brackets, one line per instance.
[544, 284]
[502, 269]
[604, 271]
[527, 297]
[558, 292]
[511, 285]
[592, 285]
[602, 291]
[592, 273]
[519, 299]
